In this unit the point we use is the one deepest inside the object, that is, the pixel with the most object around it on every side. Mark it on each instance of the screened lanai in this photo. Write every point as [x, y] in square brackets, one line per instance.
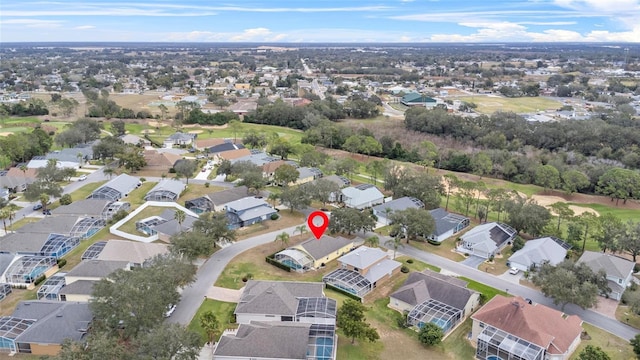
[94, 250]
[315, 309]
[105, 192]
[51, 287]
[497, 344]
[10, 329]
[5, 289]
[349, 281]
[165, 190]
[295, 259]
[86, 227]
[58, 245]
[322, 342]
[27, 268]
[436, 312]
[199, 205]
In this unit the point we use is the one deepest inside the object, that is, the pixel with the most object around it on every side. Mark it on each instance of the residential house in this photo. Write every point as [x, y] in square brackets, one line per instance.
[361, 196]
[341, 181]
[225, 146]
[315, 253]
[135, 140]
[80, 280]
[415, 99]
[430, 297]
[136, 253]
[25, 269]
[486, 240]
[166, 190]
[165, 225]
[17, 180]
[117, 188]
[92, 208]
[362, 270]
[203, 144]
[256, 157]
[248, 211]
[269, 169]
[546, 250]
[41, 327]
[234, 155]
[38, 244]
[67, 225]
[160, 161]
[243, 107]
[384, 211]
[447, 224]
[619, 271]
[306, 175]
[216, 201]
[179, 139]
[511, 328]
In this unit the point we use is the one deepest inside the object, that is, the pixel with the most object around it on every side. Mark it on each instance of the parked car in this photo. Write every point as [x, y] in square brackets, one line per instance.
[82, 178]
[37, 206]
[170, 310]
[514, 271]
[46, 212]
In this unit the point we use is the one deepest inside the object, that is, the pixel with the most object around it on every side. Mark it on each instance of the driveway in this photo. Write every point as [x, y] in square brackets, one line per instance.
[512, 278]
[473, 261]
[224, 294]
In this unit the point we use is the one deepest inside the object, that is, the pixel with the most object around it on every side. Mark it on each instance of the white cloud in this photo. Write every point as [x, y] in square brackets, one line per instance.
[252, 34]
[33, 23]
[84, 27]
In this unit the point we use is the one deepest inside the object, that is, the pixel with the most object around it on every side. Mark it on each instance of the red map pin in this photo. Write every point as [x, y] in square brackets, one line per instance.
[318, 223]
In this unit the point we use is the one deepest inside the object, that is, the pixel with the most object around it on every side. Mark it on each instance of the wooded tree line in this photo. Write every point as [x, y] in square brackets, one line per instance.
[33, 107]
[22, 146]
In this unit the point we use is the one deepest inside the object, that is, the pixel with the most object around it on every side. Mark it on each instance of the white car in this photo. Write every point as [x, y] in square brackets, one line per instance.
[514, 271]
[170, 310]
[82, 178]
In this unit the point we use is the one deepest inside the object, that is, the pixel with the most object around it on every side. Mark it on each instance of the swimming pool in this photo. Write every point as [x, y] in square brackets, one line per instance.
[324, 348]
[494, 357]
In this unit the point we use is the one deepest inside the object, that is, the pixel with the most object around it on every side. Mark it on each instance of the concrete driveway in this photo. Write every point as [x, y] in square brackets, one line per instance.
[473, 261]
[224, 294]
[512, 278]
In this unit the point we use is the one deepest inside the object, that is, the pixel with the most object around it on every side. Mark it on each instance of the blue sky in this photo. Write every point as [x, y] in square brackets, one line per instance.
[321, 20]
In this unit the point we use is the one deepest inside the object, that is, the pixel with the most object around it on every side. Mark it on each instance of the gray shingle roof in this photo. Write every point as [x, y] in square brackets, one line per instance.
[341, 181]
[23, 242]
[171, 185]
[88, 207]
[538, 251]
[275, 297]
[363, 257]
[133, 251]
[272, 340]
[420, 287]
[80, 287]
[96, 268]
[325, 245]
[123, 183]
[445, 221]
[400, 204]
[51, 225]
[55, 321]
[612, 265]
[246, 203]
[227, 196]
[494, 232]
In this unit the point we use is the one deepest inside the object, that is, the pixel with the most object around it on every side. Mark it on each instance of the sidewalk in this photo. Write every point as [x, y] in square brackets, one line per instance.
[206, 353]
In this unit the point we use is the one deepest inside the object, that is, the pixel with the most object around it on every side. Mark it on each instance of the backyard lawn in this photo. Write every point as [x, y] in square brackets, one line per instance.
[223, 312]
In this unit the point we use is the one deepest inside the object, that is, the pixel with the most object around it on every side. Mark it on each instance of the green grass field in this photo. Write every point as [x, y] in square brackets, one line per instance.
[491, 104]
[223, 312]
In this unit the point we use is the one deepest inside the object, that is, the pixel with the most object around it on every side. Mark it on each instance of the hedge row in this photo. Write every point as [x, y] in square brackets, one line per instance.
[39, 279]
[343, 292]
[270, 259]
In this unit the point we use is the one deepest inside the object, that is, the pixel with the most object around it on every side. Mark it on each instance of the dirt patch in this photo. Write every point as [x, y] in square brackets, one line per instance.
[206, 126]
[195, 132]
[156, 124]
[548, 200]
[5, 133]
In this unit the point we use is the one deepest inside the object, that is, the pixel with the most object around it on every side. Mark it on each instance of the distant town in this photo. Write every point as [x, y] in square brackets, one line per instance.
[483, 201]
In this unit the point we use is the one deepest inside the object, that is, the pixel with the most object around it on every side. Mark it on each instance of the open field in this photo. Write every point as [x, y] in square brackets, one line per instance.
[491, 104]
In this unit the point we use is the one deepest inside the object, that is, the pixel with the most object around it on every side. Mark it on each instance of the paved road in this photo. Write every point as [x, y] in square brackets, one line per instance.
[608, 324]
[390, 111]
[193, 295]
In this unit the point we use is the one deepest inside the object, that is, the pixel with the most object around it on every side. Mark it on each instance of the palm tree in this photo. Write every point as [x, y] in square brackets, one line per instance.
[163, 111]
[44, 200]
[301, 229]
[387, 212]
[273, 197]
[372, 241]
[80, 158]
[4, 215]
[395, 243]
[209, 322]
[108, 171]
[180, 216]
[284, 238]
[12, 208]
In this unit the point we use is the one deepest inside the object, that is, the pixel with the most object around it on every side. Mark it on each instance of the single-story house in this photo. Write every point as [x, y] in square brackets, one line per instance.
[383, 211]
[549, 250]
[341, 181]
[93, 208]
[79, 281]
[17, 180]
[361, 196]
[202, 144]
[619, 271]
[278, 340]
[256, 157]
[216, 201]
[41, 327]
[117, 188]
[166, 190]
[135, 140]
[511, 328]
[362, 270]
[447, 224]
[269, 169]
[225, 146]
[66, 225]
[430, 297]
[160, 161]
[486, 240]
[306, 175]
[135, 252]
[248, 211]
[179, 139]
[415, 99]
[165, 224]
[234, 155]
[38, 162]
[314, 253]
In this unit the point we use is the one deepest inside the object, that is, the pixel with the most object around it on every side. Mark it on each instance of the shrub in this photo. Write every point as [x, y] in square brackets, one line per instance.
[39, 279]
[206, 184]
[62, 263]
[172, 171]
[409, 261]
[66, 199]
[275, 216]
[121, 214]
[273, 262]
[143, 179]
[404, 269]
[343, 292]
[430, 334]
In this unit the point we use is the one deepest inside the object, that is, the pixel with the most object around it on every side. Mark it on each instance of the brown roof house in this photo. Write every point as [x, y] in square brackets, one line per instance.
[432, 297]
[160, 161]
[511, 328]
[16, 180]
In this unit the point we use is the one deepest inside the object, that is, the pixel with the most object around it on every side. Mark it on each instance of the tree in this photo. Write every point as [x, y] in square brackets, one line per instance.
[108, 147]
[635, 342]
[66, 199]
[395, 243]
[348, 220]
[163, 111]
[375, 168]
[610, 230]
[215, 227]
[281, 147]
[168, 341]
[526, 215]
[630, 240]
[209, 322]
[35, 189]
[591, 352]
[413, 222]
[108, 171]
[283, 237]
[180, 216]
[191, 244]
[254, 140]
[4, 215]
[588, 221]
[619, 183]
[98, 345]
[450, 182]
[302, 229]
[285, 174]
[324, 191]
[481, 164]
[117, 127]
[296, 198]
[44, 200]
[351, 320]
[424, 187]
[274, 198]
[562, 211]
[430, 334]
[132, 159]
[236, 127]
[574, 181]
[345, 166]
[547, 176]
[571, 283]
[372, 241]
[186, 168]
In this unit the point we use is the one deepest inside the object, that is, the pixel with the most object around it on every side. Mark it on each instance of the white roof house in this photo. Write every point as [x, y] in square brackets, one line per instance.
[487, 239]
[166, 190]
[362, 196]
[394, 205]
[539, 251]
[117, 188]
